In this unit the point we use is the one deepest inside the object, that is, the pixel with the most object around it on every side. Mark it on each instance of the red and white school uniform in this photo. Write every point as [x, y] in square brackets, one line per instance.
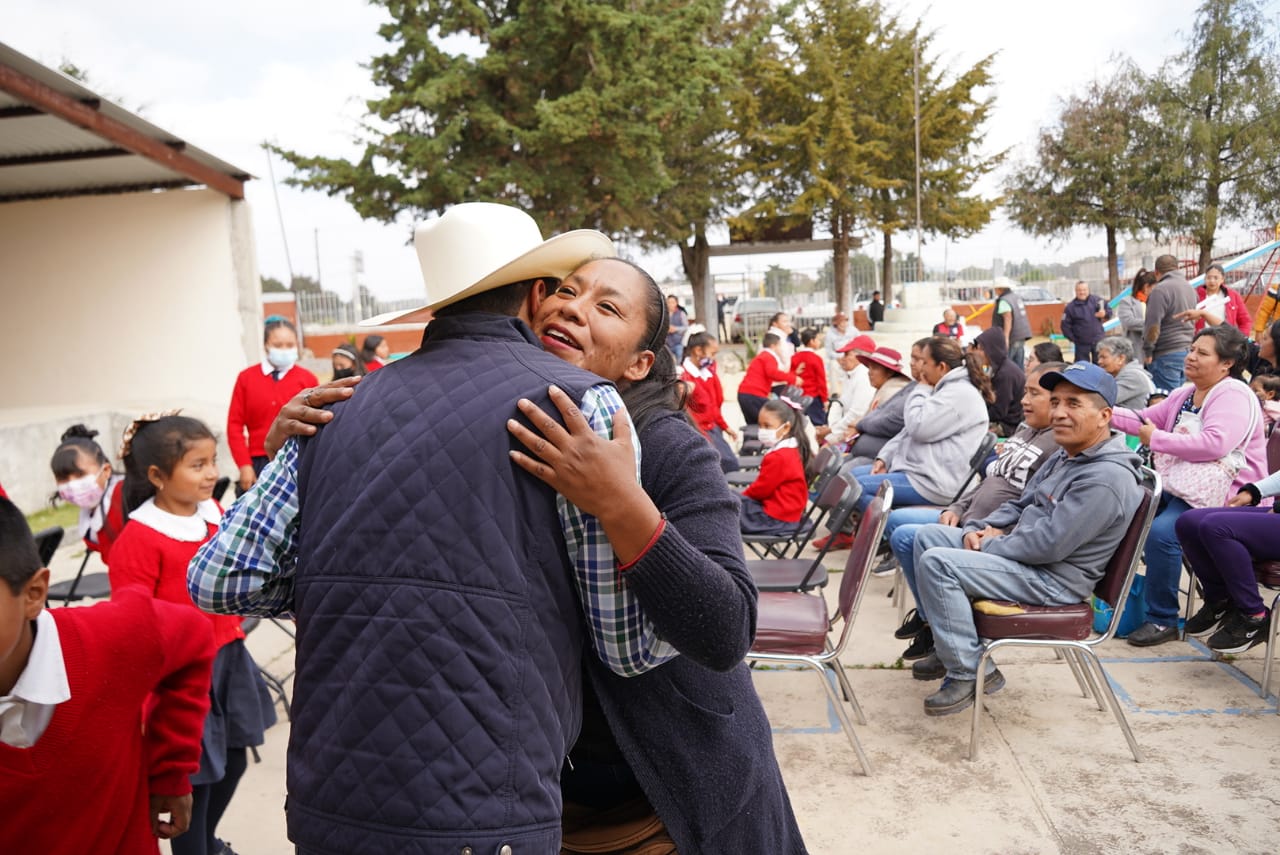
[706, 396]
[82, 783]
[373, 365]
[781, 487]
[763, 373]
[813, 379]
[256, 400]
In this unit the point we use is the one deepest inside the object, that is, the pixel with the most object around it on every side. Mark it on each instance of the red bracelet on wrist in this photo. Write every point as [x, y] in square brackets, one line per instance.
[657, 533]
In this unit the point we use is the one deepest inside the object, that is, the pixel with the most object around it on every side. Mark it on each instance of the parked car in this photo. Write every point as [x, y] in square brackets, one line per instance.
[749, 317]
[1032, 295]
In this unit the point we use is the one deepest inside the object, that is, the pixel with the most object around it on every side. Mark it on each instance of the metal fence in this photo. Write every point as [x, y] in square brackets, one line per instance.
[327, 309]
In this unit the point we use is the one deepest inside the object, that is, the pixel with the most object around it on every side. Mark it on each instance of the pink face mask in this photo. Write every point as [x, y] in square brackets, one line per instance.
[83, 492]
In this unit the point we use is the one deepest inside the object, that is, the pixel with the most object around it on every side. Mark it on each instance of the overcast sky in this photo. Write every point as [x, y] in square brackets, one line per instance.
[240, 72]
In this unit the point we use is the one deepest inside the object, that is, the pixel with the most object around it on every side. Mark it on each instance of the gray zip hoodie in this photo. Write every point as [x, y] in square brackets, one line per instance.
[943, 426]
[1072, 515]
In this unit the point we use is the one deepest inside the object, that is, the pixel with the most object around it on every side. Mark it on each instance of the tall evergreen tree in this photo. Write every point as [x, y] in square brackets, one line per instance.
[1097, 166]
[1219, 106]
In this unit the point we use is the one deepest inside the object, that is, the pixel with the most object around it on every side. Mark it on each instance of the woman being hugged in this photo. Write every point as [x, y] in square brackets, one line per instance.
[170, 471]
[260, 391]
[1212, 421]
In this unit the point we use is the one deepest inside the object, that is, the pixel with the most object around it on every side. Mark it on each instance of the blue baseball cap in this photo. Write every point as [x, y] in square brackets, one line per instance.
[1084, 375]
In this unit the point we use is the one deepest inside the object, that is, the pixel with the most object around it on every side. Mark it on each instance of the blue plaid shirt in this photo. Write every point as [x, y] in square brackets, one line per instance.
[247, 568]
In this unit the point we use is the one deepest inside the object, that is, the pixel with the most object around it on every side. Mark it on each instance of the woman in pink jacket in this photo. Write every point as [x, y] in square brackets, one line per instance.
[1203, 421]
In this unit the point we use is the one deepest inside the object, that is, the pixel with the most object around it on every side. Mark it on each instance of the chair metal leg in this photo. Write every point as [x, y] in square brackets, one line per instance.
[1095, 691]
[842, 715]
[902, 591]
[1270, 654]
[978, 694]
[1091, 658]
[847, 688]
[1191, 599]
[1075, 671]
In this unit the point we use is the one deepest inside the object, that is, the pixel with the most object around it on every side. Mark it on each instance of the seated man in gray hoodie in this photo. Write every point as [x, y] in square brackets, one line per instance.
[1048, 547]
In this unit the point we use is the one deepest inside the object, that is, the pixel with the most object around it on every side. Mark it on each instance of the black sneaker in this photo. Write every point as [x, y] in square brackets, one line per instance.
[1240, 632]
[1208, 619]
[911, 626]
[1151, 634]
[921, 645]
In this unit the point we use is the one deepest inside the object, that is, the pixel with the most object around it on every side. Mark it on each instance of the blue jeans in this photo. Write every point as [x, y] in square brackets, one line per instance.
[903, 492]
[1167, 370]
[900, 530]
[948, 576]
[1163, 557]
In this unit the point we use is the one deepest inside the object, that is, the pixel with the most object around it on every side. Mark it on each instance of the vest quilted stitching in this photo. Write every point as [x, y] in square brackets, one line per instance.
[439, 637]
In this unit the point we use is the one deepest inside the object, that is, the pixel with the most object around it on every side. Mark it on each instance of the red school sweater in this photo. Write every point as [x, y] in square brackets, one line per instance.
[763, 374]
[84, 788]
[706, 397]
[144, 557]
[813, 380]
[255, 402]
[781, 486]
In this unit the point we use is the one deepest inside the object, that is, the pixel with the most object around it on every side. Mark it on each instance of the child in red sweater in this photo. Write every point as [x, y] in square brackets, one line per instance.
[85, 479]
[811, 371]
[81, 772]
[260, 391]
[767, 370]
[706, 396]
[775, 501]
[170, 472]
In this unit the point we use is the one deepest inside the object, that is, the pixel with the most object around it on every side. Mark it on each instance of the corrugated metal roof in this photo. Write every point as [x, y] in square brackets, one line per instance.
[60, 138]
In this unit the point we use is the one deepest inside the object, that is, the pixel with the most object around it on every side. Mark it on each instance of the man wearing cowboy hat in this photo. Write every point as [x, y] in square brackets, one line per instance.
[440, 632]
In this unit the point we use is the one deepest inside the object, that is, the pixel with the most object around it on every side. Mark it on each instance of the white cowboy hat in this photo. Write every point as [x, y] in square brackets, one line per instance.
[477, 246]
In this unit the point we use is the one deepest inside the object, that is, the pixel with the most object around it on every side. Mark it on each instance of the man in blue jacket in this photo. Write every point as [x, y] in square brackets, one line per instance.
[1082, 322]
[1048, 547]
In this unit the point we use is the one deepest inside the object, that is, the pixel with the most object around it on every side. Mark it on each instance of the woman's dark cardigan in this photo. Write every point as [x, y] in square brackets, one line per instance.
[693, 730]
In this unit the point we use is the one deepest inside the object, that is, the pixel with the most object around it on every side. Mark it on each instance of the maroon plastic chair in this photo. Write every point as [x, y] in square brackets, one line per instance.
[1067, 629]
[795, 629]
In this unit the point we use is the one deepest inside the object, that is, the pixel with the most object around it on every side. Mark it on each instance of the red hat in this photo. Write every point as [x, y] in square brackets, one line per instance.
[886, 356]
[863, 343]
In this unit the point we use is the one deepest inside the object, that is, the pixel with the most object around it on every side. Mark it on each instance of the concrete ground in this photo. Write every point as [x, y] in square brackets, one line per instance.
[1054, 774]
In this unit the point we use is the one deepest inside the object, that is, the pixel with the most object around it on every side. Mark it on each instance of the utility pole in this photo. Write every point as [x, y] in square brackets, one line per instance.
[919, 219]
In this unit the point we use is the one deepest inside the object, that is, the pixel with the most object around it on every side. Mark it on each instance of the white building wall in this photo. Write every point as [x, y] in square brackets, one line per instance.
[114, 305]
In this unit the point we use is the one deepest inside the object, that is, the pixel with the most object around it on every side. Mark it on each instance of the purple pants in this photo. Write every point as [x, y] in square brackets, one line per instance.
[1221, 545]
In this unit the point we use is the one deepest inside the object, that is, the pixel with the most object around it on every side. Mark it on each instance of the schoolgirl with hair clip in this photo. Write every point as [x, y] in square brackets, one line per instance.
[170, 472]
[775, 501]
[260, 391]
[85, 478]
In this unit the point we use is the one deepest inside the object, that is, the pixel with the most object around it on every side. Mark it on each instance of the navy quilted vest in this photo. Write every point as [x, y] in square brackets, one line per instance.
[438, 682]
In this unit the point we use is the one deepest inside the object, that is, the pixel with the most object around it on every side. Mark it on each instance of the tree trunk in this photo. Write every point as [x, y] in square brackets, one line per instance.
[1205, 236]
[840, 265]
[1113, 270]
[886, 270]
[695, 258]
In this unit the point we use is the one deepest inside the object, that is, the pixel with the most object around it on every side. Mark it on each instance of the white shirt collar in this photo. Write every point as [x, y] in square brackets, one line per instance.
[789, 442]
[192, 529]
[26, 711]
[268, 369]
[696, 370]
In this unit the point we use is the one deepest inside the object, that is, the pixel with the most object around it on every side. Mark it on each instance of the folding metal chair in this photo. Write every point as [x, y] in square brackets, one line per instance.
[778, 545]
[1066, 629]
[800, 574]
[91, 587]
[794, 628]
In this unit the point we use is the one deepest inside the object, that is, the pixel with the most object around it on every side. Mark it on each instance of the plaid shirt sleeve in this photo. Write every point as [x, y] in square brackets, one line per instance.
[247, 567]
[622, 637]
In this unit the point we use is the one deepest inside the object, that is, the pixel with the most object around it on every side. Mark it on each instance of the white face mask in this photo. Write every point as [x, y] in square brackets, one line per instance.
[282, 358]
[83, 492]
[768, 437]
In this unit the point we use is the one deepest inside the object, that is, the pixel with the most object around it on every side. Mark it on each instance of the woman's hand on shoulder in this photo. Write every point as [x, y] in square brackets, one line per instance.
[584, 467]
[302, 415]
